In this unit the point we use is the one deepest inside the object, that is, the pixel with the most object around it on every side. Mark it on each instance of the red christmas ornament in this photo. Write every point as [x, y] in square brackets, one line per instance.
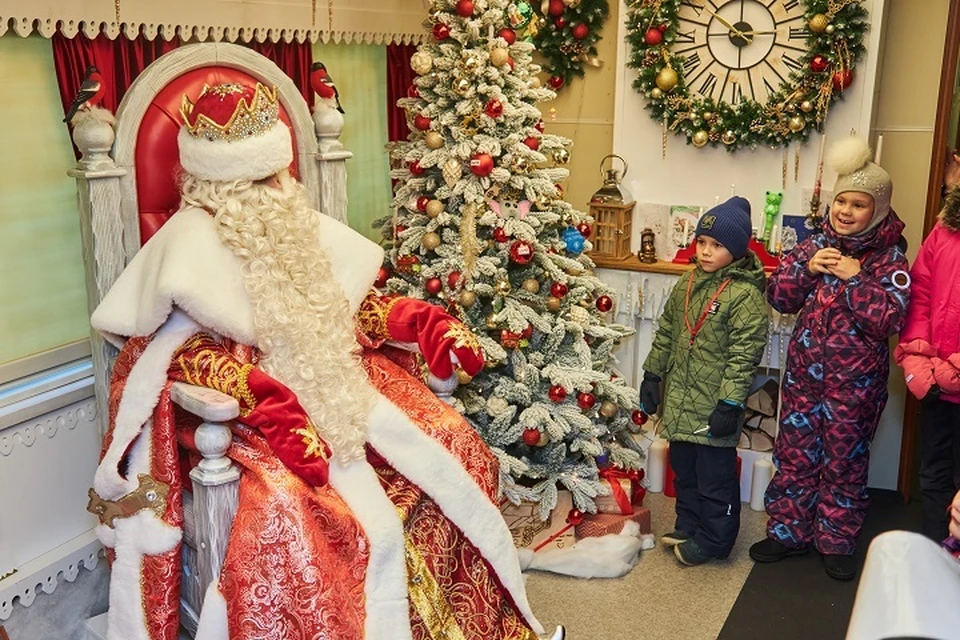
[453, 279]
[639, 418]
[559, 189]
[407, 263]
[433, 286]
[604, 304]
[556, 8]
[586, 400]
[653, 37]
[415, 168]
[398, 230]
[557, 393]
[421, 122]
[441, 31]
[559, 289]
[575, 517]
[509, 35]
[581, 31]
[555, 82]
[494, 108]
[531, 437]
[413, 92]
[509, 339]
[818, 64]
[584, 229]
[500, 234]
[539, 126]
[481, 164]
[382, 275]
[842, 79]
[560, 23]
[527, 332]
[510, 63]
[422, 203]
[521, 252]
[532, 142]
[464, 8]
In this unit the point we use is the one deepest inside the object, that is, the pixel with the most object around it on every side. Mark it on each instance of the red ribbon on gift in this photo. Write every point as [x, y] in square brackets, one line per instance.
[613, 475]
[553, 537]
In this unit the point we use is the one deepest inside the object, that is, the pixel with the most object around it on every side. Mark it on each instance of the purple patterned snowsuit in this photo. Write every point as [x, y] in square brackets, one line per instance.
[835, 385]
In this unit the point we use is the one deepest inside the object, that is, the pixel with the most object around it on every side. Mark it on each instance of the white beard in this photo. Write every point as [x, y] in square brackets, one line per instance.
[305, 331]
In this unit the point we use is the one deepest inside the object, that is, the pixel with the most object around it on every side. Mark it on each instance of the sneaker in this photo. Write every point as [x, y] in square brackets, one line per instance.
[770, 550]
[691, 554]
[839, 567]
[674, 538]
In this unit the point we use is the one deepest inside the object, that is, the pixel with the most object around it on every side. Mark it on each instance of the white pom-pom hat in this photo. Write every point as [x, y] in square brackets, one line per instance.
[850, 158]
[234, 132]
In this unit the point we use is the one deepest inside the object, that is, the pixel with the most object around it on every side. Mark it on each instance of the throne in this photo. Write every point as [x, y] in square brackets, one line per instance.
[126, 182]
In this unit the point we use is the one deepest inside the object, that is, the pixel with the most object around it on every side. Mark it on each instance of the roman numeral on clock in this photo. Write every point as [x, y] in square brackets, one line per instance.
[708, 85]
[691, 63]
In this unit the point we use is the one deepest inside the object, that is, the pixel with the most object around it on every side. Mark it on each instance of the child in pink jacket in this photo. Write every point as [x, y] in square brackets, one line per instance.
[929, 352]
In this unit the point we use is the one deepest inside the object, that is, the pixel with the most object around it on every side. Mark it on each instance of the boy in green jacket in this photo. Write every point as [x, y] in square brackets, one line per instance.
[708, 344]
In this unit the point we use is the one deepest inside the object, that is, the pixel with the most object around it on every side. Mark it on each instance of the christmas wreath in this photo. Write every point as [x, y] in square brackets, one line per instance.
[834, 33]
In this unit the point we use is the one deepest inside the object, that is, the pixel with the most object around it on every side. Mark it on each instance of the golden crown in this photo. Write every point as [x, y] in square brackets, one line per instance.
[249, 118]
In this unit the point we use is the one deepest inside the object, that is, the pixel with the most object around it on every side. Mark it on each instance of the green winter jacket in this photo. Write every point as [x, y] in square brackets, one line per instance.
[722, 362]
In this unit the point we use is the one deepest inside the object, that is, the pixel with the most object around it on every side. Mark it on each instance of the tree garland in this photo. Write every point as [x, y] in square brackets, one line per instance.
[566, 36]
[834, 43]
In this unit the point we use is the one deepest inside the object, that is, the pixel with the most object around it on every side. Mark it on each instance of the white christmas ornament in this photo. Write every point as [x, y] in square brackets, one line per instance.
[421, 62]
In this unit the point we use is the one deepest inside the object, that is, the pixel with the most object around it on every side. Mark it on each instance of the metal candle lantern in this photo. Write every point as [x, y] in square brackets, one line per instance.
[611, 208]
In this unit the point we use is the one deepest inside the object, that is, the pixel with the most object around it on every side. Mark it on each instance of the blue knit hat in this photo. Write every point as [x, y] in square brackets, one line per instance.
[729, 224]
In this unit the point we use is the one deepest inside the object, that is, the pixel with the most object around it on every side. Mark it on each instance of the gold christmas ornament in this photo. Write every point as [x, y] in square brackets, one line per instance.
[499, 56]
[580, 315]
[434, 208]
[534, 82]
[830, 29]
[521, 165]
[531, 285]
[656, 93]
[708, 116]
[553, 304]
[490, 322]
[503, 287]
[574, 271]
[818, 23]
[728, 137]
[543, 202]
[608, 409]
[667, 79]
[462, 87]
[433, 140]
[561, 156]
[471, 63]
[463, 377]
[430, 241]
[467, 299]
[796, 123]
[806, 106]
[421, 62]
[452, 170]
[700, 138]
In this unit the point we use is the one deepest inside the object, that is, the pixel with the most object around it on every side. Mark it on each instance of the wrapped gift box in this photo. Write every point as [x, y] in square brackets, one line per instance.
[619, 499]
[530, 532]
[600, 524]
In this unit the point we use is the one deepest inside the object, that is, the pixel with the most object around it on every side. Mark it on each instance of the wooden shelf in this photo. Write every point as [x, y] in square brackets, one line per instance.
[632, 263]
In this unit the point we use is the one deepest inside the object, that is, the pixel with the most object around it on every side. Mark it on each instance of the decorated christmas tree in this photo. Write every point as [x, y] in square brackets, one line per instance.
[481, 227]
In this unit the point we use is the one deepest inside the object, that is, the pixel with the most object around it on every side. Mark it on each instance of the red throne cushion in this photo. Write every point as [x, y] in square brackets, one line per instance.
[157, 159]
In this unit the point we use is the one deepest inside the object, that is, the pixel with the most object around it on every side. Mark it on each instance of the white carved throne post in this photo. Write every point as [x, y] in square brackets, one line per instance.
[110, 212]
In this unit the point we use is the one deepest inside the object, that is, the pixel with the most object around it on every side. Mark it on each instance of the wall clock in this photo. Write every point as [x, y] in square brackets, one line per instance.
[744, 72]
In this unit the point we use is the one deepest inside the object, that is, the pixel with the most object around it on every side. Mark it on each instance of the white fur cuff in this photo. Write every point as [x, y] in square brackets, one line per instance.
[250, 159]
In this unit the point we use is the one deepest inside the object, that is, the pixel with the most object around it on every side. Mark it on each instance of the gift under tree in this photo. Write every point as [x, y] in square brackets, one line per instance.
[481, 227]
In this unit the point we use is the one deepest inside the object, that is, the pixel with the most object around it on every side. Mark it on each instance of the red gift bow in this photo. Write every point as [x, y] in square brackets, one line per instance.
[613, 475]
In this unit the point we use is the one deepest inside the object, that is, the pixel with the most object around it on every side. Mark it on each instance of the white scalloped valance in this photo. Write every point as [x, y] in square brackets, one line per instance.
[366, 21]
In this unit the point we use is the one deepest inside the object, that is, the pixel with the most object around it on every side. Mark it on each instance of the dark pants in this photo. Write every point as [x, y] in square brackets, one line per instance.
[939, 464]
[708, 495]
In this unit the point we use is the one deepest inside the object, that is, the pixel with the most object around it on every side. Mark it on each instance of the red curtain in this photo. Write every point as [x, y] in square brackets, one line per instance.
[399, 78]
[120, 61]
[294, 59]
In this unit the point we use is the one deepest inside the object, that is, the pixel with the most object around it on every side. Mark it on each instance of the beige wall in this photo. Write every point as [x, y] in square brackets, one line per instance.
[584, 113]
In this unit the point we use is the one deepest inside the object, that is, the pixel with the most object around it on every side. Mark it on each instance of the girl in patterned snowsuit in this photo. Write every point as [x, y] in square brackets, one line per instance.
[851, 287]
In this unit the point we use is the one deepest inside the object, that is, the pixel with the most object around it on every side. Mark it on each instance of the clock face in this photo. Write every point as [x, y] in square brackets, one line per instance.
[740, 48]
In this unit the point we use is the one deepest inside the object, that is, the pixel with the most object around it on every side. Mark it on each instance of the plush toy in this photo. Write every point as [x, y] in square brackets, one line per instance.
[770, 212]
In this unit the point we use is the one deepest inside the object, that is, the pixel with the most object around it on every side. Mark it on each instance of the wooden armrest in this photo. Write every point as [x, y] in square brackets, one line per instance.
[209, 404]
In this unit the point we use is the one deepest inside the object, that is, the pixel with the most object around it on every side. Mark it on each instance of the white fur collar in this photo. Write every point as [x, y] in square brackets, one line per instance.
[185, 265]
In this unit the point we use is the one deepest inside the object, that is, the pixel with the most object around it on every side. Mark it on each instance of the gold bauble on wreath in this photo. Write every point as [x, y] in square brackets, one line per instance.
[667, 79]
[430, 241]
[818, 23]
[728, 137]
[656, 93]
[467, 299]
[434, 208]
[433, 140]
[499, 56]
[531, 285]
[700, 138]
[806, 106]
[796, 123]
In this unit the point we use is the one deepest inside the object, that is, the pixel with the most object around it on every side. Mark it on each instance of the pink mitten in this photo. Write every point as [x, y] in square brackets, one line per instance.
[947, 373]
[915, 347]
[918, 372]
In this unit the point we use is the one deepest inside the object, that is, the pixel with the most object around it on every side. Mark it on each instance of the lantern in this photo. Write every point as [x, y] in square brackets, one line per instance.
[612, 210]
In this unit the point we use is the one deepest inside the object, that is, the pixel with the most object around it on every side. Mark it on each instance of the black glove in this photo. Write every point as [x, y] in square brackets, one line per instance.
[650, 397]
[725, 419]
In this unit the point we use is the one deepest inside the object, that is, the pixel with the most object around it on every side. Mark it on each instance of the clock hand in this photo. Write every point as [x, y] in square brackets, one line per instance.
[725, 23]
[758, 33]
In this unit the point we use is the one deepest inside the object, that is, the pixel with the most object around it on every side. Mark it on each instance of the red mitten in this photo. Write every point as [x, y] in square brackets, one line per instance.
[915, 347]
[918, 372]
[947, 373]
[438, 334]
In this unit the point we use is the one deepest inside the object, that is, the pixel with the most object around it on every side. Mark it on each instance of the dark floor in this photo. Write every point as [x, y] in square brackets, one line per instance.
[796, 599]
